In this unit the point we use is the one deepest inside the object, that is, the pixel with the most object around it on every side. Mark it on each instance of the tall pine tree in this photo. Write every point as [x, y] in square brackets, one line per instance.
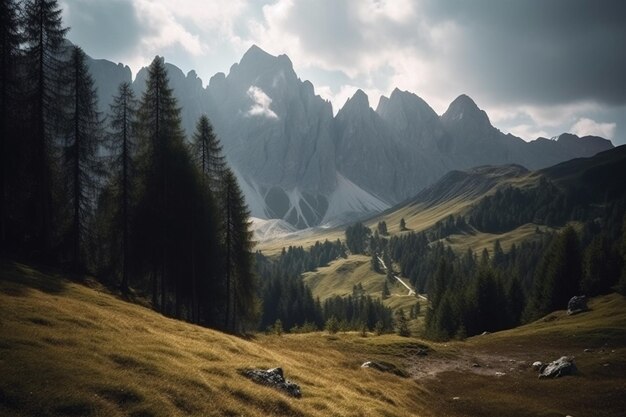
[160, 130]
[10, 40]
[241, 302]
[207, 152]
[123, 146]
[80, 164]
[44, 37]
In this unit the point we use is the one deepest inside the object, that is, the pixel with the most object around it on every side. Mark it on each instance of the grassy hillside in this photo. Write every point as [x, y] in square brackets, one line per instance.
[478, 241]
[68, 349]
[342, 274]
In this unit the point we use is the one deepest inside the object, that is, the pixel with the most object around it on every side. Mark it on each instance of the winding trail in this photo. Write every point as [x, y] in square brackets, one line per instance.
[411, 290]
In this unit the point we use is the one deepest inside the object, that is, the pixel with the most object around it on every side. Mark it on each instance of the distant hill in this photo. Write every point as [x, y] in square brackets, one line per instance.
[499, 199]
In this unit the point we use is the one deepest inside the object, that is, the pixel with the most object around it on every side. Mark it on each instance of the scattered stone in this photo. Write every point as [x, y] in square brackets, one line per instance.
[560, 367]
[385, 367]
[537, 366]
[273, 378]
[500, 374]
[475, 365]
[588, 350]
[456, 398]
[577, 304]
[606, 364]
[484, 333]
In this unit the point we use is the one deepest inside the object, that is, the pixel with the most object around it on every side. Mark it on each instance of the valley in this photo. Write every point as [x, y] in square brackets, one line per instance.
[312, 238]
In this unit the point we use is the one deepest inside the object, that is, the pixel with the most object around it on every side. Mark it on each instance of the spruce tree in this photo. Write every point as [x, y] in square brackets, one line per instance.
[161, 134]
[44, 37]
[558, 275]
[207, 153]
[10, 39]
[402, 324]
[123, 147]
[83, 127]
[375, 264]
[241, 302]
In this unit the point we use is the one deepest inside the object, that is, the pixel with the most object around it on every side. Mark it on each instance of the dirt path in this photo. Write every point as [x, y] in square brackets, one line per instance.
[431, 365]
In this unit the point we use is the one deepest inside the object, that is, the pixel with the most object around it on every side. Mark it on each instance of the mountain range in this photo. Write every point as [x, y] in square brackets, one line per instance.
[304, 167]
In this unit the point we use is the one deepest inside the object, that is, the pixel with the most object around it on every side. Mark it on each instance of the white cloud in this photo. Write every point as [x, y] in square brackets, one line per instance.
[585, 126]
[528, 132]
[261, 105]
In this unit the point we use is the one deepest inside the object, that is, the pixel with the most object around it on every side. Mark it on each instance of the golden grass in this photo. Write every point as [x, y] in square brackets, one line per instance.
[70, 350]
[478, 241]
[342, 275]
[306, 239]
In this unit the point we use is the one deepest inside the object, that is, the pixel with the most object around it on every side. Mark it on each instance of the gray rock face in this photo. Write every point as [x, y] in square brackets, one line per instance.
[560, 367]
[273, 378]
[577, 304]
[107, 77]
[298, 163]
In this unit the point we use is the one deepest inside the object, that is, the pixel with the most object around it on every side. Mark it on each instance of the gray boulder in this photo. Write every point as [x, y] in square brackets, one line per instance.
[274, 378]
[577, 304]
[560, 367]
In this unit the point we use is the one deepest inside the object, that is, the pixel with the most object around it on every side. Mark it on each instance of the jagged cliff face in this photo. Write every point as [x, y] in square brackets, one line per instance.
[298, 163]
[278, 135]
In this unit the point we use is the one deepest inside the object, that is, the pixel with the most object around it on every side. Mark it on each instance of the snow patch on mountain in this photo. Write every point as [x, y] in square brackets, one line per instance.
[349, 199]
[268, 229]
[254, 199]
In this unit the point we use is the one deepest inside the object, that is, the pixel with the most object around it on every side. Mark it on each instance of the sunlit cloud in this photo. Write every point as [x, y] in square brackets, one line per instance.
[585, 126]
[261, 103]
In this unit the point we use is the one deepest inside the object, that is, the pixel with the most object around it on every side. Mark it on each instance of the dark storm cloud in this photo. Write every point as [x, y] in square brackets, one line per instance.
[537, 51]
[106, 28]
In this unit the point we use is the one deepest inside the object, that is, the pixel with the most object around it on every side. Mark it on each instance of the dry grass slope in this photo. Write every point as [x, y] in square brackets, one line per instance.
[341, 275]
[70, 350]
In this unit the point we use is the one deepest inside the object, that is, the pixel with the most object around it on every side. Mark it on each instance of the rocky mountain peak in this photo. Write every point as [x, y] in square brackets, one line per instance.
[256, 61]
[358, 103]
[406, 105]
[463, 107]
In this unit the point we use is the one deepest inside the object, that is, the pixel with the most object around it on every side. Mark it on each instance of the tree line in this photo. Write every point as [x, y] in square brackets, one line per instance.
[470, 293]
[126, 195]
[287, 299]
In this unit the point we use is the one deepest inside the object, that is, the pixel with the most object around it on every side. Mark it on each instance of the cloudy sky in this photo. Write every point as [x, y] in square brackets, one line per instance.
[538, 67]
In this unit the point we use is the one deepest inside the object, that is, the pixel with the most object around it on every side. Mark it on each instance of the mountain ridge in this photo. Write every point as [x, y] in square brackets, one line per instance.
[292, 153]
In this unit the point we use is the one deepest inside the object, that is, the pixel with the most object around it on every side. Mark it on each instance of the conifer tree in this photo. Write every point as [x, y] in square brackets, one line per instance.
[83, 127]
[10, 39]
[402, 324]
[241, 302]
[123, 146]
[558, 275]
[374, 262]
[44, 37]
[207, 153]
[161, 134]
